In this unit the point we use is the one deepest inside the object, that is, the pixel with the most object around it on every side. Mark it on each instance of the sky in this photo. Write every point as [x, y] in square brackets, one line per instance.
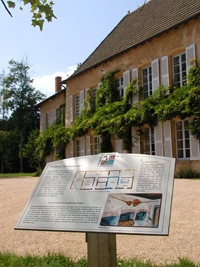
[65, 42]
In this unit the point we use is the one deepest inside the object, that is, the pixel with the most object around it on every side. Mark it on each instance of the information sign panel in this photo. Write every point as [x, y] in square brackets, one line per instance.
[110, 193]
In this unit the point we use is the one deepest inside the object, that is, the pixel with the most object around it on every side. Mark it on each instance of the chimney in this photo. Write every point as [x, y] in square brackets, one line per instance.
[57, 84]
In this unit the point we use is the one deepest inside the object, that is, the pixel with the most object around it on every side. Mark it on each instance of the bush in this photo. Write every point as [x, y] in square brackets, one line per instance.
[189, 174]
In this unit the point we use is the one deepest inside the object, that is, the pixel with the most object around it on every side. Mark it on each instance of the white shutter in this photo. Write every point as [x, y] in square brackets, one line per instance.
[158, 139]
[48, 119]
[168, 139]
[88, 93]
[54, 115]
[71, 149]
[118, 145]
[71, 108]
[88, 144]
[164, 71]
[135, 77]
[194, 146]
[126, 79]
[135, 141]
[82, 140]
[81, 101]
[44, 122]
[190, 54]
[100, 84]
[155, 74]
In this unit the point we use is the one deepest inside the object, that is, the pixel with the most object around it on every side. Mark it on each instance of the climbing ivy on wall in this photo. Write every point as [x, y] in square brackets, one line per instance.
[107, 115]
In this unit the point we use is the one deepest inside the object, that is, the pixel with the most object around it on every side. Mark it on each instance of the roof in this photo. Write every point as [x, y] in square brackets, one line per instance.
[137, 27]
[48, 98]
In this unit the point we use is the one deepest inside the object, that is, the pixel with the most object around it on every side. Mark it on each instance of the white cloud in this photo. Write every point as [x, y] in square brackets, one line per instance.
[46, 84]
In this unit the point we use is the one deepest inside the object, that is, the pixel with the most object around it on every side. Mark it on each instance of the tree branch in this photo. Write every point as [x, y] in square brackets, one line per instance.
[6, 8]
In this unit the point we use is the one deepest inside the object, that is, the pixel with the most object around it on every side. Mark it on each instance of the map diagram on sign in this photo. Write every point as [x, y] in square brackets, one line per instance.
[103, 179]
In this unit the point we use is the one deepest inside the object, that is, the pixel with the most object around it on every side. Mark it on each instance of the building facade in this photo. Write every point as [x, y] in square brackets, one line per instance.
[156, 45]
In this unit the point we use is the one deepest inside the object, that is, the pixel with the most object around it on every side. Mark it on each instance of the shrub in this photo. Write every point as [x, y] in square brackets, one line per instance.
[189, 174]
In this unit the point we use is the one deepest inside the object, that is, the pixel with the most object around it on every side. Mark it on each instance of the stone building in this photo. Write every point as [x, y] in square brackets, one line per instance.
[153, 44]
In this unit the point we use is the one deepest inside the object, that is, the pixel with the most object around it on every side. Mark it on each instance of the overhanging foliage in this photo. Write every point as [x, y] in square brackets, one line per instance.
[108, 115]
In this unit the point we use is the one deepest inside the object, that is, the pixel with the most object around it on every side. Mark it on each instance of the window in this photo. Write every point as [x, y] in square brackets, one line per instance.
[96, 144]
[78, 148]
[120, 87]
[46, 121]
[182, 140]
[147, 82]
[94, 95]
[77, 105]
[149, 141]
[179, 70]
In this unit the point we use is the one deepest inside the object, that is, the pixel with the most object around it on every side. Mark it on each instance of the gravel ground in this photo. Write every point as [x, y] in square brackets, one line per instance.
[183, 240]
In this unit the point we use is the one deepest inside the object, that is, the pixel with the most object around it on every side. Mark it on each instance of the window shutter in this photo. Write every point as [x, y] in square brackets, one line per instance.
[158, 139]
[135, 141]
[44, 122]
[126, 79]
[155, 74]
[71, 149]
[135, 77]
[88, 93]
[164, 71]
[54, 115]
[71, 108]
[100, 84]
[88, 145]
[190, 54]
[82, 146]
[194, 146]
[48, 119]
[168, 139]
[118, 145]
[81, 101]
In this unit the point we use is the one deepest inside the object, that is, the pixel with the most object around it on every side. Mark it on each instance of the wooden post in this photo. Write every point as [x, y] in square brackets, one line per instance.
[101, 249]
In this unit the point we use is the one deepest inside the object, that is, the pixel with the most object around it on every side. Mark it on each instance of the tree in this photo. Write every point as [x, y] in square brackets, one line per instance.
[21, 97]
[42, 10]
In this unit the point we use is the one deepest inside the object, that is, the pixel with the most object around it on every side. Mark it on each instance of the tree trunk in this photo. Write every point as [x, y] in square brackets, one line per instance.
[2, 159]
[21, 150]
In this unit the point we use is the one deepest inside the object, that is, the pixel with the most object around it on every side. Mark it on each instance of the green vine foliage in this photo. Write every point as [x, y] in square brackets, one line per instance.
[108, 115]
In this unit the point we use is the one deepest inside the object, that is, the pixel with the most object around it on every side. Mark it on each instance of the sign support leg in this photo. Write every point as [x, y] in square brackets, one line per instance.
[101, 250]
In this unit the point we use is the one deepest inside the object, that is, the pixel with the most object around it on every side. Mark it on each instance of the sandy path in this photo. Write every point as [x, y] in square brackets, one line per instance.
[183, 240]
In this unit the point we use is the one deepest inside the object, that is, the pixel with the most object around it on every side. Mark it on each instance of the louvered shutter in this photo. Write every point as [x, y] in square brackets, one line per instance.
[164, 72]
[194, 146]
[118, 145]
[48, 119]
[190, 54]
[168, 139]
[100, 84]
[82, 146]
[135, 77]
[88, 145]
[88, 93]
[44, 122]
[71, 108]
[54, 115]
[126, 79]
[71, 149]
[155, 74]
[135, 141]
[81, 101]
[158, 139]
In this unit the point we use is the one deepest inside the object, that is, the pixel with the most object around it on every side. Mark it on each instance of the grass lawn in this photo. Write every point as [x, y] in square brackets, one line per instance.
[53, 260]
[16, 174]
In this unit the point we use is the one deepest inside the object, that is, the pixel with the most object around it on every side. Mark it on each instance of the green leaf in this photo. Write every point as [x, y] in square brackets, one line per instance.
[11, 4]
